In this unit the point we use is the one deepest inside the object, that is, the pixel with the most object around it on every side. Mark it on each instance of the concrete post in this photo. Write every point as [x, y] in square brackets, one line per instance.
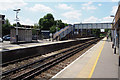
[113, 38]
[111, 35]
[1, 26]
[81, 32]
[90, 32]
[86, 32]
[115, 41]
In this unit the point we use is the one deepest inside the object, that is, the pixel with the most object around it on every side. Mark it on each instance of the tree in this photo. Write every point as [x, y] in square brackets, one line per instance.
[46, 22]
[96, 32]
[40, 23]
[35, 27]
[53, 29]
[65, 24]
[60, 24]
[18, 24]
[6, 27]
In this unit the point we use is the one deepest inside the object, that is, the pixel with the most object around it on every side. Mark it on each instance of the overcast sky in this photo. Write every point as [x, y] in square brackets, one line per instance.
[74, 11]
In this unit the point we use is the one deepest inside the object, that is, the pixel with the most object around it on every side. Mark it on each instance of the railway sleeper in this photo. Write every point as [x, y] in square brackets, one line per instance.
[82, 48]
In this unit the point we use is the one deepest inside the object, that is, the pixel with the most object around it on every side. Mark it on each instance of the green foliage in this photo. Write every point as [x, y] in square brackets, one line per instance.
[18, 24]
[58, 29]
[60, 24]
[106, 30]
[102, 35]
[35, 27]
[96, 32]
[65, 24]
[53, 29]
[41, 23]
[46, 22]
[6, 27]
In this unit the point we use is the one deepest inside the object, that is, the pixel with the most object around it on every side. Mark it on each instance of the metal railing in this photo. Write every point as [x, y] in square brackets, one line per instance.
[63, 32]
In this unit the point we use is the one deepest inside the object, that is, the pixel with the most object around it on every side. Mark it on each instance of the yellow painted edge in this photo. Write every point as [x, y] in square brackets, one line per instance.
[93, 68]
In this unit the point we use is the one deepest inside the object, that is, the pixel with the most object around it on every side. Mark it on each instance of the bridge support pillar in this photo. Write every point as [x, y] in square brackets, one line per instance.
[86, 32]
[90, 32]
[81, 32]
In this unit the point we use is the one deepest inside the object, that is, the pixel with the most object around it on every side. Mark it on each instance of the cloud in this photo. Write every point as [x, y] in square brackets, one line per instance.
[114, 10]
[99, 4]
[107, 19]
[72, 15]
[93, 19]
[115, 0]
[70, 22]
[40, 7]
[64, 6]
[67, 21]
[12, 4]
[88, 6]
[27, 22]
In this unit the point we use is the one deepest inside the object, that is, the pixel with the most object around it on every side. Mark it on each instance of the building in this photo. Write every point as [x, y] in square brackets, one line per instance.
[24, 34]
[116, 32]
[2, 21]
[45, 34]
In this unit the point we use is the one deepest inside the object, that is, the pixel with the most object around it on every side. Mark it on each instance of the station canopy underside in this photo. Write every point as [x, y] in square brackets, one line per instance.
[93, 26]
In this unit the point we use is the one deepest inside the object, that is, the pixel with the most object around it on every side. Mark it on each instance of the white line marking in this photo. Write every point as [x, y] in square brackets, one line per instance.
[73, 62]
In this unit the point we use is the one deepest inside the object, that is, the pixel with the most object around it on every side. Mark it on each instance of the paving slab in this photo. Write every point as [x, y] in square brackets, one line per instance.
[107, 66]
[93, 63]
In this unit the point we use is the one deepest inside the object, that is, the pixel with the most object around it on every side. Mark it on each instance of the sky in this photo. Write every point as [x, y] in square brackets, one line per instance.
[69, 11]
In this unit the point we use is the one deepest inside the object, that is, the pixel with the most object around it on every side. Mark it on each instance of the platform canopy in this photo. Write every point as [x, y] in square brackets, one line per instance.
[93, 26]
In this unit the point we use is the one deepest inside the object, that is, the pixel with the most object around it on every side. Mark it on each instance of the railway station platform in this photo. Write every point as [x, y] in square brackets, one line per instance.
[11, 52]
[98, 62]
[7, 46]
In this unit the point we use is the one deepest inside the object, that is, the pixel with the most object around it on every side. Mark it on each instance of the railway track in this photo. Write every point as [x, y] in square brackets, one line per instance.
[31, 70]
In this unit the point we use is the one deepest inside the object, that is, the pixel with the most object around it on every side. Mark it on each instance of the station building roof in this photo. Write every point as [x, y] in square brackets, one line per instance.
[116, 20]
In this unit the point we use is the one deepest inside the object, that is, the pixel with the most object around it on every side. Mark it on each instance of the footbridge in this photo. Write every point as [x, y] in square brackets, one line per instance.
[93, 26]
[82, 29]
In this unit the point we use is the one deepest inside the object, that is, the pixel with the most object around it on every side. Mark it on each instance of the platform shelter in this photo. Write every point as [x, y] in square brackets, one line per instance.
[24, 34]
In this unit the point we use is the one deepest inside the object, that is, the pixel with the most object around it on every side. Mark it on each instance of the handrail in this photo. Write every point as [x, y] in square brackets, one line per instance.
[60, 31]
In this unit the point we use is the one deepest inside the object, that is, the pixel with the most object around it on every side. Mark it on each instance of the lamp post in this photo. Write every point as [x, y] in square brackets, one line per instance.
[17, 19]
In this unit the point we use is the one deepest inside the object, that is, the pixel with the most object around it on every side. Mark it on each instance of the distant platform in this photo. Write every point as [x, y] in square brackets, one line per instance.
[11, 52]
[5, 46]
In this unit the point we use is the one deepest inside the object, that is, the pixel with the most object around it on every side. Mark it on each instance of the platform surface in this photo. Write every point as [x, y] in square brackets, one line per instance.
[7, 46]
[98, 62]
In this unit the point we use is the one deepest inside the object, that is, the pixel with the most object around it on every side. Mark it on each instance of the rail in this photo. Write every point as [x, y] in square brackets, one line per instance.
[45, 63]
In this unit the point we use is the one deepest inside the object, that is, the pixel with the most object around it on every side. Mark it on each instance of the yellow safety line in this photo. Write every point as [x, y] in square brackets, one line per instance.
[93, 68]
